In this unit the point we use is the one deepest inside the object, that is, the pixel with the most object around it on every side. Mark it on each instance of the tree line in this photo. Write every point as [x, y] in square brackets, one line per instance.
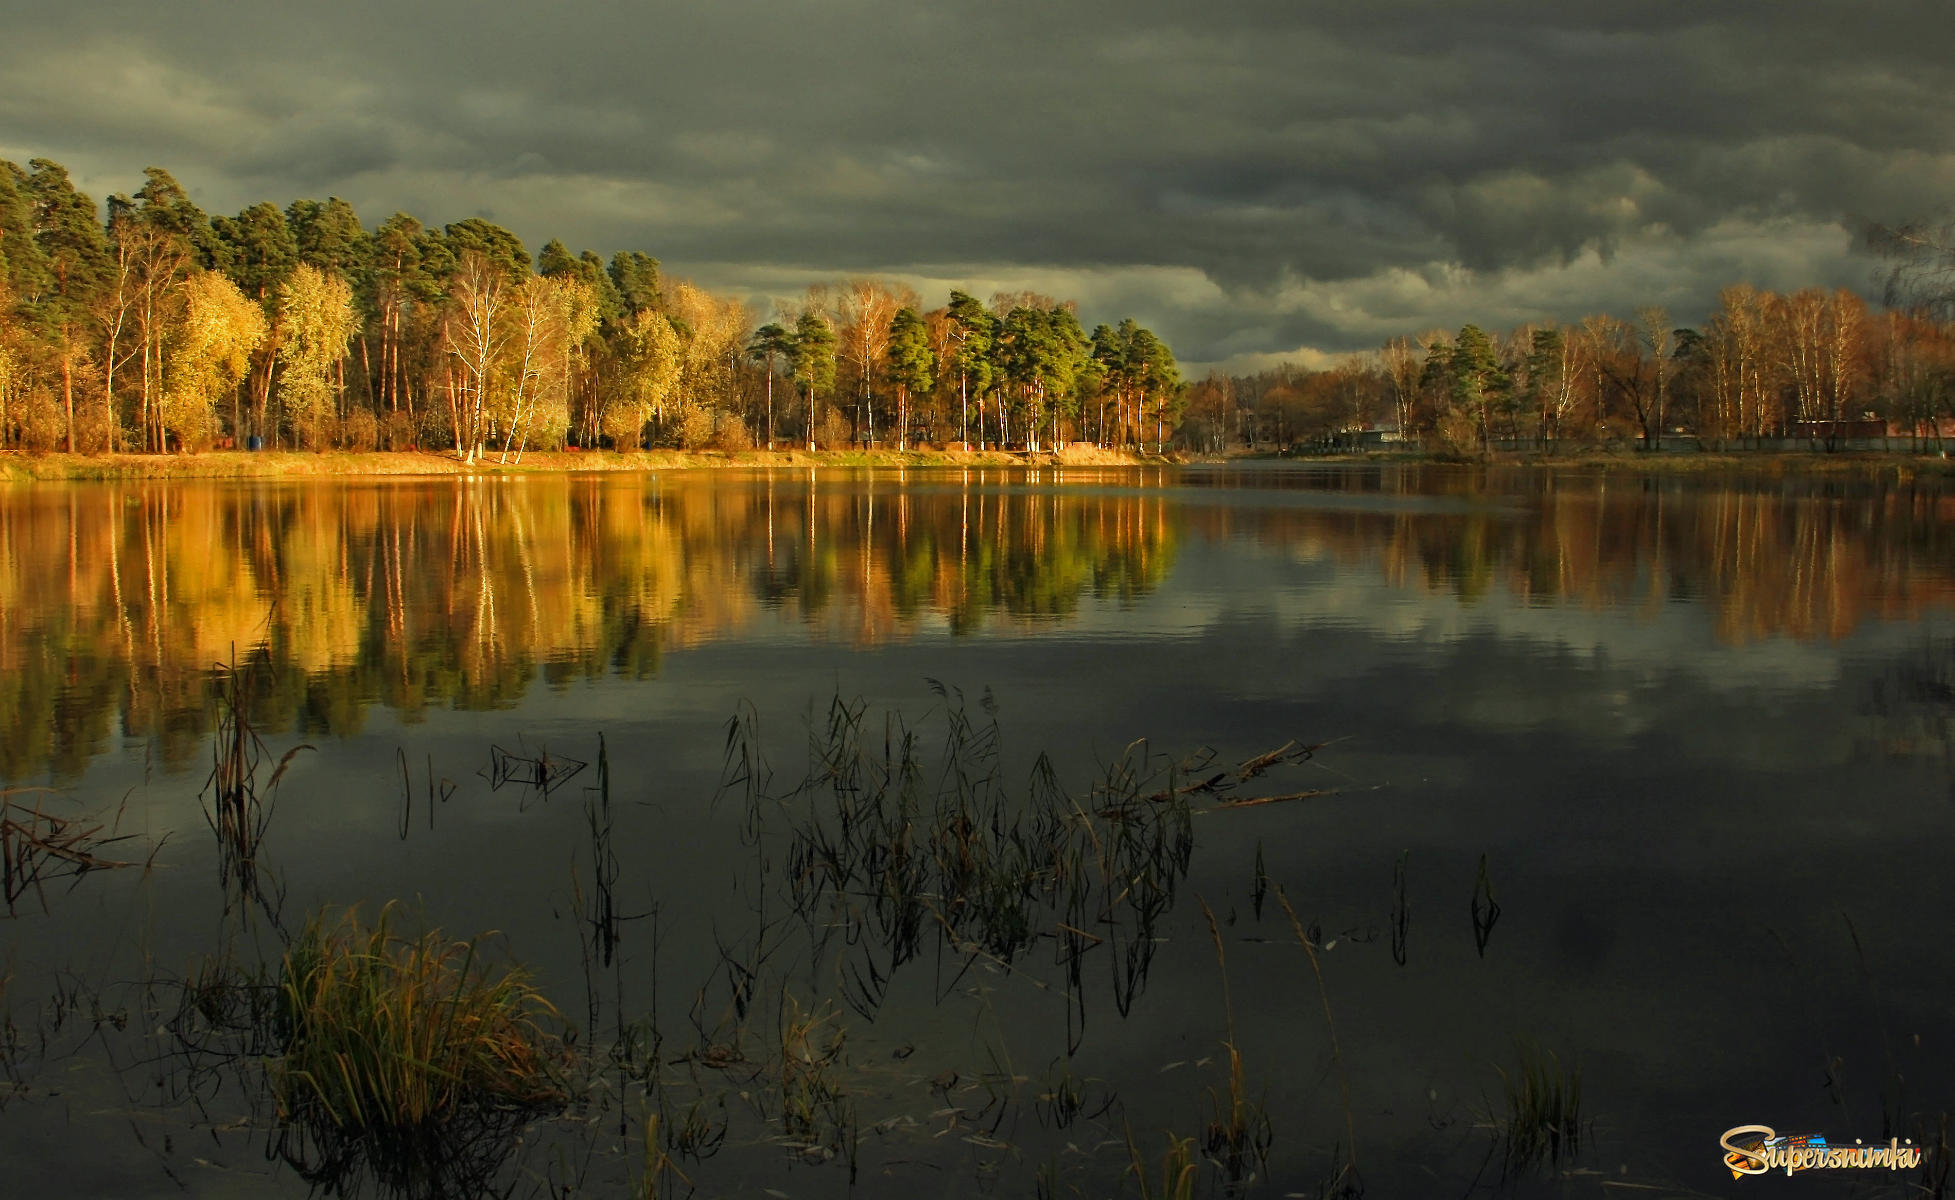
[1812, 365]
[155, 327]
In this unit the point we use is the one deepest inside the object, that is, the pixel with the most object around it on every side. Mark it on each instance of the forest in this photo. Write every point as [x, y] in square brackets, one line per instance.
[1812, 368]
[157, 328]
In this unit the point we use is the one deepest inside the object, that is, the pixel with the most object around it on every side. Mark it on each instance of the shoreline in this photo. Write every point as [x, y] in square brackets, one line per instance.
[27, 467]
[1668, 462]
[306, 464]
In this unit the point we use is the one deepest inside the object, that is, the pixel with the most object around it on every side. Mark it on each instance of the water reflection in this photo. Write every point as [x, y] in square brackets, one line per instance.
[118, 600]
[1812, 558]
[1624, 732]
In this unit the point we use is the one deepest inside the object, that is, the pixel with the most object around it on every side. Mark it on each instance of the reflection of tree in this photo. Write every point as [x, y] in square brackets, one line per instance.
[118, 600]
[1770, 557]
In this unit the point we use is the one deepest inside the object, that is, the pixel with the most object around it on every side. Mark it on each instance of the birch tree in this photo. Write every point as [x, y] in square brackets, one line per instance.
[868, 308]
[477, 329]
[1846, 319]
[1401, 364]
[317, 321]
[650, 361]
[210, 355]
[1555, 372]
[552, 316]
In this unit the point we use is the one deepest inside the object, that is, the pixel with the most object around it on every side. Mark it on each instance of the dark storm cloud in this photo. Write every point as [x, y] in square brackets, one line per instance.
[1255, 177]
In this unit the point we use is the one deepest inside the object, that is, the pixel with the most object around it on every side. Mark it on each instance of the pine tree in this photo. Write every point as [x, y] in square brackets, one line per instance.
[554, 259]
[259, 250]
[610, 301]
[498, 247]
[23, 264]
[77, 257]
[635, 276]
[909, 365]
[1477, 379]
[814, 362]
[770, 341]
[976, 334]
[330, 237]
[163, 205]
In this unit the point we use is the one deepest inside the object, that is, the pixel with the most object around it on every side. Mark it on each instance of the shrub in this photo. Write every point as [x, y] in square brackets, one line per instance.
[437, 426]
[730, 433]
[834, 431]
[95, 425]
[359, 430]
[694, 429]
[407, 1055]
[42, 424]
[1458, 435]
[397, 430]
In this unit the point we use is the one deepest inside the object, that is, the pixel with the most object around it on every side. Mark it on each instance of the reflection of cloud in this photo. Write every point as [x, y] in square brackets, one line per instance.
[1608, 674]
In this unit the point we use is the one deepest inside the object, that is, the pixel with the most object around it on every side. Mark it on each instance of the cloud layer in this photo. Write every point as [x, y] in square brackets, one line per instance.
[1254, 179]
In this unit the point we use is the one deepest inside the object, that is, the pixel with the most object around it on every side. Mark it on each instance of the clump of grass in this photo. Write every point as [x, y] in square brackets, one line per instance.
[1063, 1098]
[1239, 1133]
[407, 1056]
[811, 1048]
[886, 844]
[1178, 1174]
[1933, 1184]
[658, 1163]
[1541, 1123]
[237, 811]
[698, 1136]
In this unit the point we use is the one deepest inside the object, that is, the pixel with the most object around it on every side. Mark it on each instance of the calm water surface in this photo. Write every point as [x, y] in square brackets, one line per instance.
[1698, 730]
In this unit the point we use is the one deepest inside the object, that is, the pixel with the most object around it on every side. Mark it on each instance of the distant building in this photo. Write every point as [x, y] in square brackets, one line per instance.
[1942, 428]
[1375, 437]
[1851, 429]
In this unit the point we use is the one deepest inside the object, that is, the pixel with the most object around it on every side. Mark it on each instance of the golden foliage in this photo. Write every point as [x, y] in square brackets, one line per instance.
[210, 352]
[316, 321]
[653, 358]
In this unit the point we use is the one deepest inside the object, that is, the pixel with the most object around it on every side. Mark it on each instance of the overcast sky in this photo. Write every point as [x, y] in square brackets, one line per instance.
[1255, 180]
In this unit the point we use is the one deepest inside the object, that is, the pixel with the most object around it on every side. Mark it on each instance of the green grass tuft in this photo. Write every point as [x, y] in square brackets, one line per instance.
[1541, 1125]
[407, 1055]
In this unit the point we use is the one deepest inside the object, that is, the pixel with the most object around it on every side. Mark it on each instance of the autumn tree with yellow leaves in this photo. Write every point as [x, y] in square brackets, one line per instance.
[316, 322]
[210, 351]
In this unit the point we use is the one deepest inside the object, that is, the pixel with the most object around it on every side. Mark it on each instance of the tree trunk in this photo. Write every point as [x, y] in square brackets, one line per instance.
[143, 417]
[68, 387]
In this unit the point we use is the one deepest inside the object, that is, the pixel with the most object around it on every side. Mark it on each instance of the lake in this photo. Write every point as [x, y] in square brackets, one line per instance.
[1640, 781]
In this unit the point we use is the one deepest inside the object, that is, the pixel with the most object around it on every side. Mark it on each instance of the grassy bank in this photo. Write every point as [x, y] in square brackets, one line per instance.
[233, 464]
[284, 464]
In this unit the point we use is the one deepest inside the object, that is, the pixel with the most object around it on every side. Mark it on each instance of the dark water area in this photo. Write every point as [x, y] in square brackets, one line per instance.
[1690, 734]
